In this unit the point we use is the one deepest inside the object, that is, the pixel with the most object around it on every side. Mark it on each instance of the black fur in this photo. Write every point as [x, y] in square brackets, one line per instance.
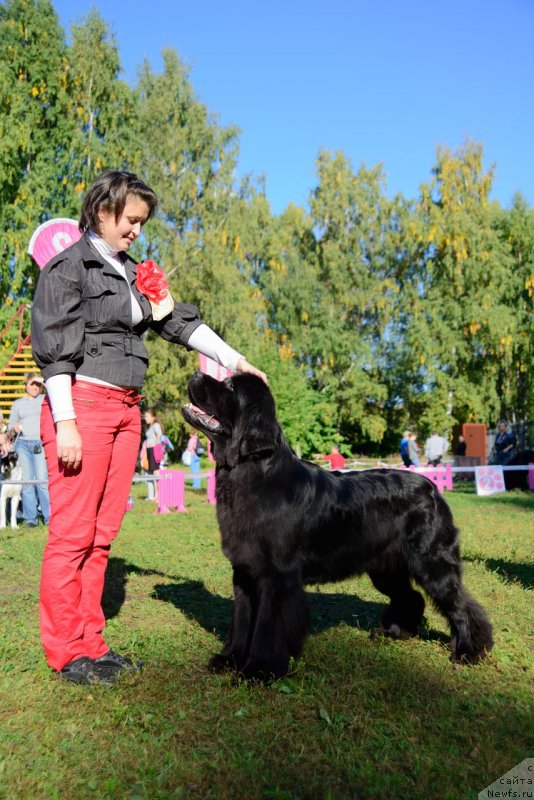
[519, 479]
[286, 522]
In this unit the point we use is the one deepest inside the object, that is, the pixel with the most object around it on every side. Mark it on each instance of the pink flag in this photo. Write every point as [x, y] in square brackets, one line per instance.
[210, 367]
[51, 238]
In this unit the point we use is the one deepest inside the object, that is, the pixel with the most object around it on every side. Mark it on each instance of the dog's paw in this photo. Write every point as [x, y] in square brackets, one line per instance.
[253, 675]
[392, 631]
[220, 663]
[263, 673]
[464, 654]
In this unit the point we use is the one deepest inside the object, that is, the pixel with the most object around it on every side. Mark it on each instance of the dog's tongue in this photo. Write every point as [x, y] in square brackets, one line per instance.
[197, 410]
[208, 420]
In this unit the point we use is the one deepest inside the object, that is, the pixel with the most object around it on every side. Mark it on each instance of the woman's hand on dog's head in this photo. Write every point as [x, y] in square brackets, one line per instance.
[243, 366]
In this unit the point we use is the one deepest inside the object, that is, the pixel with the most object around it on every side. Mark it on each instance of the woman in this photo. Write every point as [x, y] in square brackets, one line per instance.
[92, 305]
[504, 446]
[153, 435]
[24, 423]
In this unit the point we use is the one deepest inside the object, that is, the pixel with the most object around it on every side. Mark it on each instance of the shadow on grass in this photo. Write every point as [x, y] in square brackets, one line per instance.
[390, 711]
[115, 582]
[516, 498]
[523, 573]
[214, 613]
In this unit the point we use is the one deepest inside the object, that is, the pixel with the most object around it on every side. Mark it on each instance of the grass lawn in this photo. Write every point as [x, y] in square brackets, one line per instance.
[356, 718]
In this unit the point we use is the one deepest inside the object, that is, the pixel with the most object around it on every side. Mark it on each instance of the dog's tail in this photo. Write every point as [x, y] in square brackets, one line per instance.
[472, 632]
[437, 567]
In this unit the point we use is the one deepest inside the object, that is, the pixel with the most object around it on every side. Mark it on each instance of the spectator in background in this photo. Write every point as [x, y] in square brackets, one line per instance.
[461, 447]
[335, 458]
[167, 448]
[24, 422]
[404, 448]
[196, 449]
[435, 448]
[504, 445]
[154, 454]
[413, 450]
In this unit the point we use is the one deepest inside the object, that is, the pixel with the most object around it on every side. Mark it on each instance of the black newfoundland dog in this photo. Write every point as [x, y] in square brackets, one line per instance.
[286, 522]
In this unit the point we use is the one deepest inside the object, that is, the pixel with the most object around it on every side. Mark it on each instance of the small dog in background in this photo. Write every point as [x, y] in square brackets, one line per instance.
[12, 491]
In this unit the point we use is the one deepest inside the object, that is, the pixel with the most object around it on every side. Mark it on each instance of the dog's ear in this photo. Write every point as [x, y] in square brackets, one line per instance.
[260, 435]
[256, 429]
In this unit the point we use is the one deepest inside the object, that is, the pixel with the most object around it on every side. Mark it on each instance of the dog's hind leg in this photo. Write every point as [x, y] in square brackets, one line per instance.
[402, 617]
[437, 567]
[470, 626]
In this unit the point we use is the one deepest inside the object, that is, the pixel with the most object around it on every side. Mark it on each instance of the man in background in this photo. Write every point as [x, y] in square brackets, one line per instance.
[435, 448]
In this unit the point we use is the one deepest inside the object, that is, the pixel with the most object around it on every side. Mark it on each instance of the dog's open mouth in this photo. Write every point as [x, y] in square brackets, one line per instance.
[201, 419]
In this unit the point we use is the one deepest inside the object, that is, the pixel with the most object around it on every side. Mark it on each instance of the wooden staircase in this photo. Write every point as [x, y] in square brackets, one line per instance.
[12, 383]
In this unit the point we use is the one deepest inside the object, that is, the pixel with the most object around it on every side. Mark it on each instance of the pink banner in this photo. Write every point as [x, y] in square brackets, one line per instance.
[210, 367]
[51, 238]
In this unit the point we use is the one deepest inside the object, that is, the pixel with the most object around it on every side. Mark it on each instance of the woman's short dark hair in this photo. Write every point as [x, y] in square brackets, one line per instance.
[109, 192]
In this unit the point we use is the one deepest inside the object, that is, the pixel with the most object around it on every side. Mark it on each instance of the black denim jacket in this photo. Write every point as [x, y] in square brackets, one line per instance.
[82, 319]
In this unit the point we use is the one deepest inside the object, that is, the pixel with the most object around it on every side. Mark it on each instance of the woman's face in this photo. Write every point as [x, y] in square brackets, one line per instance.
[122, 233]
[33, 388]
[502, 427]
[149, 419]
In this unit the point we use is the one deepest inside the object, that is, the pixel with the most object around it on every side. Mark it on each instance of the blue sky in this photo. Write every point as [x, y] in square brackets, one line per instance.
[382, 80]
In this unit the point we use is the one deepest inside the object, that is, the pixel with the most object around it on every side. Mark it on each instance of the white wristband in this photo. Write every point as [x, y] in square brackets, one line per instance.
[207, 342]
[59, 389]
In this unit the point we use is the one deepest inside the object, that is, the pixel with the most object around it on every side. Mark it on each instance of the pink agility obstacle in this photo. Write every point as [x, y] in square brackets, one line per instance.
[441, 476]
[171, 486]
[211, 488]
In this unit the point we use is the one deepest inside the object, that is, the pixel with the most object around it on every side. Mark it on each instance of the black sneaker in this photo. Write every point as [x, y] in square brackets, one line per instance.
[112, 660]
[85, 671]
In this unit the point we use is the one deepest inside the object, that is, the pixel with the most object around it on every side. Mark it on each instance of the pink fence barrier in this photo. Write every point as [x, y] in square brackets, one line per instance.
[170, 491]
[211, 487]
[441, 476]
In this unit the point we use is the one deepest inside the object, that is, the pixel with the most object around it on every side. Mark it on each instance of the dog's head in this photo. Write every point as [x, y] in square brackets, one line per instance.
[9, 462]
[238, 415]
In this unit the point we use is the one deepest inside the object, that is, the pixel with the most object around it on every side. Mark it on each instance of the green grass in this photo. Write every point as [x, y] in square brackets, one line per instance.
[356, 718]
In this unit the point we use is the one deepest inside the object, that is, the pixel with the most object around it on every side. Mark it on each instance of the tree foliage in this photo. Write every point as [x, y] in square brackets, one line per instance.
[369, 313]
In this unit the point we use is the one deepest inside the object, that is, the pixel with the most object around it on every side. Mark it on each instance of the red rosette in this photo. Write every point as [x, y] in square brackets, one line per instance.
[151, 281]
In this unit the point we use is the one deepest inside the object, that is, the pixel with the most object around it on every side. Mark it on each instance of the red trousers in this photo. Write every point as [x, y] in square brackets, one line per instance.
[86, 511]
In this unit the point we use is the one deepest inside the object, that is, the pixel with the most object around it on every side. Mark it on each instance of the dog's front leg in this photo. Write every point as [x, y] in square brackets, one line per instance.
[14, 509]
[281, 624]
[3, 501]
[234, 654]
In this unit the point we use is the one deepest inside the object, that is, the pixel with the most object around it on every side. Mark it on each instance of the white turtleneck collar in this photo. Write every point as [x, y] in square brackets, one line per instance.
[103, 247]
